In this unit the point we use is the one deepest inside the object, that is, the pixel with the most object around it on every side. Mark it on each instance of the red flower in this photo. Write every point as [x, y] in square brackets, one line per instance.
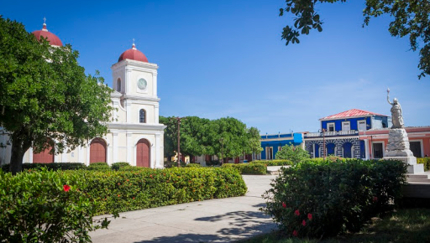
[295, 233]
[297, 212]
[309, 216]
[304, 222]
[119, 195]
[133, 198]
[375, 199]
[66, 188]
[284, 205]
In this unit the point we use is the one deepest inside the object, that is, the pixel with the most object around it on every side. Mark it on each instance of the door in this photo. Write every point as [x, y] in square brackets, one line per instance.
[346, 126]
[347, 148]
[44, 157]
[330, 149]
[361, 125]
[97, 151]
[143, 153]
[378, 151]
[416, 148]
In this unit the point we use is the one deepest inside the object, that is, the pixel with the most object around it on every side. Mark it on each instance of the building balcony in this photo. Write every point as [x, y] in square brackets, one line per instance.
[331, 134]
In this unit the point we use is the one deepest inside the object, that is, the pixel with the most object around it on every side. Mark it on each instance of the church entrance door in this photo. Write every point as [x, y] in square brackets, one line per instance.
[97, 151]
[44, 157]
[143, 153]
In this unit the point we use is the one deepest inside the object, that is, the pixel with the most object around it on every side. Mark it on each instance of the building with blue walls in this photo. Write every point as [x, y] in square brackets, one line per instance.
[272, 143]
[339, 134]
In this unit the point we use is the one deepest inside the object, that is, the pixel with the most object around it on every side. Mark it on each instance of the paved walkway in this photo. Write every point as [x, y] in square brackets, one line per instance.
[218, 220]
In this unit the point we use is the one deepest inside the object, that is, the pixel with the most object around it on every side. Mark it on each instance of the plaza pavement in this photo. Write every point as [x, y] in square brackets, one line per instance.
[217, 220]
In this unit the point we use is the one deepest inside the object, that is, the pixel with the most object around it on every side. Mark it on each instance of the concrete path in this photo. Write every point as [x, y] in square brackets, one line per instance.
[218, 220]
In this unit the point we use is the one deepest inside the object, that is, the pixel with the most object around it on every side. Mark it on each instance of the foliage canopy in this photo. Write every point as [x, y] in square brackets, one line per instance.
[411, 18]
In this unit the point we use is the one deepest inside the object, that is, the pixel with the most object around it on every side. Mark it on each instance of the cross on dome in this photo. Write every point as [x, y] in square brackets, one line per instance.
[134, 45]
[44, 24]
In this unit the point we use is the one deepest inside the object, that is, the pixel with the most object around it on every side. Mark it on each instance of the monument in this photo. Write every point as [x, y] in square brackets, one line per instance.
[398, 141]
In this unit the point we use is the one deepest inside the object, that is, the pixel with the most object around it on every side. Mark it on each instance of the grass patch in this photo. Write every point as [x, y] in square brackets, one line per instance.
[405, 225]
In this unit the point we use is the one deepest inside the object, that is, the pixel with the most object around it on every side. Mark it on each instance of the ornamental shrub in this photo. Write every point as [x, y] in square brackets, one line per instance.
[45, 206]
[425, 161]
[51, 166]
[278, 162]
[293, 153]
[248, 169]
[117, 165]
[133, 188]
[193, 165]
[323, 198]
[101, 166]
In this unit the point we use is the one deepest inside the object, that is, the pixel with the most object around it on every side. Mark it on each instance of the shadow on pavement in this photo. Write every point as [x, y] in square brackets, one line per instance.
[242, 224]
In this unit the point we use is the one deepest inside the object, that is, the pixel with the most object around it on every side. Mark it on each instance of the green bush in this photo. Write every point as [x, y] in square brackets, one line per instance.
[248, 169]
[51, 166]
[102, 166]
[278, 162]
[45, 206]
[323, 198]
[117, 165]
[172, 164]
[213, 163]
[134, 188]
[193, 165]
[292, 153]
[425, 161]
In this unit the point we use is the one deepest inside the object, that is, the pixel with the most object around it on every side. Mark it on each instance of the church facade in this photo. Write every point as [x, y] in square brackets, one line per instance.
[135, 134]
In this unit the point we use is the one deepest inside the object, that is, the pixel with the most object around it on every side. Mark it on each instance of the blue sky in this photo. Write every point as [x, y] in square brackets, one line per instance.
[226, 58]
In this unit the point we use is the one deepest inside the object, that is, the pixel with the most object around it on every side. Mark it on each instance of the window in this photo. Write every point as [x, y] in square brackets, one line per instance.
[142, 116]
[361, 125]
[346, 126]
[330, 127]
[118, 85]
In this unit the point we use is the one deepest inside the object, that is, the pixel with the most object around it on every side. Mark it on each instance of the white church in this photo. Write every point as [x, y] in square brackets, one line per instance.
[135, 134]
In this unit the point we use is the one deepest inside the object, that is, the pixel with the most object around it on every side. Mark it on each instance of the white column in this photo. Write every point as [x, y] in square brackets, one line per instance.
[81, 155]
[128, 110]
[30, 153]
[64, 154]
[88, 154]
[127, 80]
[130, 151]
[154, 84]
[366, 148]
[157, 151]
[157, 113]
[115, 147]
[108, 152]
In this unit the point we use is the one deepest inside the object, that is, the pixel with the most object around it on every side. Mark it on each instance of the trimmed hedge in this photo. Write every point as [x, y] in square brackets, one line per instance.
[425, 161]
[276, 162]
[248, 169]
[324, 198]
[51, 166]
[45, 206]
[117, 165]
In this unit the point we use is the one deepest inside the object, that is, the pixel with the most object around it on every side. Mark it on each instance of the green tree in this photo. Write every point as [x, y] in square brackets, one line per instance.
[254, 144]
[194, 132]
[411, 18]
[293, 153]
[46, 100]
[229, 138]
[170, 136]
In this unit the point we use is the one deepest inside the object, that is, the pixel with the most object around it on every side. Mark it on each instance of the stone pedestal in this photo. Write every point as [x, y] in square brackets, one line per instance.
[398, 149]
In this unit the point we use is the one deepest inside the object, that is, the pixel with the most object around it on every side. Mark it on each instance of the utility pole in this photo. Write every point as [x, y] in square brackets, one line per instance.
[323, 131]
[178, 119]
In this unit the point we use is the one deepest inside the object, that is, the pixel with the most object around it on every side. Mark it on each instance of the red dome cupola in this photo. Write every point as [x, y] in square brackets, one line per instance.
[53, 39]
[133, 54]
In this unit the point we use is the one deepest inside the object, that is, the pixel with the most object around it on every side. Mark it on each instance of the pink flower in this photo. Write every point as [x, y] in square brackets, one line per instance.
[297, 212]
[309, 216]
[304, 222]
[66, 188]
[284, 205]
[295, 233]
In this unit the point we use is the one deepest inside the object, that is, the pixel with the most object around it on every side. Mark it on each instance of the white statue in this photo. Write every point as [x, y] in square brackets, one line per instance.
[396, 112]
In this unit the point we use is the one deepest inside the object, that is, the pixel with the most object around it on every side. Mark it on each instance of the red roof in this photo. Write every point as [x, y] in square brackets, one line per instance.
[53, 39]
[351, 113]
[133, 54]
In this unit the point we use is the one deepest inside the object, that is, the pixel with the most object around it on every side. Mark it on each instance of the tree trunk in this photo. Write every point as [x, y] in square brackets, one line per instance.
[19, 147]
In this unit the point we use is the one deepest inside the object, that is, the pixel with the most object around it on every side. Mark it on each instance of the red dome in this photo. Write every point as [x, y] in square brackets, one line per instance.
[53, 39]
[133, 54]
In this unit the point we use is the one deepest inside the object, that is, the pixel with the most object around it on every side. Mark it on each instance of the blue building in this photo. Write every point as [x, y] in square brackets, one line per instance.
[271, 144]
[339, 134]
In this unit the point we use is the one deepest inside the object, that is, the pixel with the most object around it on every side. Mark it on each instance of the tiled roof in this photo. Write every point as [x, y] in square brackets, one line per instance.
[351, 113]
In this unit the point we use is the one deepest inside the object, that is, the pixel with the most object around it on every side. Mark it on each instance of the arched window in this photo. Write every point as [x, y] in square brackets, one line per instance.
[142, 116]
[118, 85]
